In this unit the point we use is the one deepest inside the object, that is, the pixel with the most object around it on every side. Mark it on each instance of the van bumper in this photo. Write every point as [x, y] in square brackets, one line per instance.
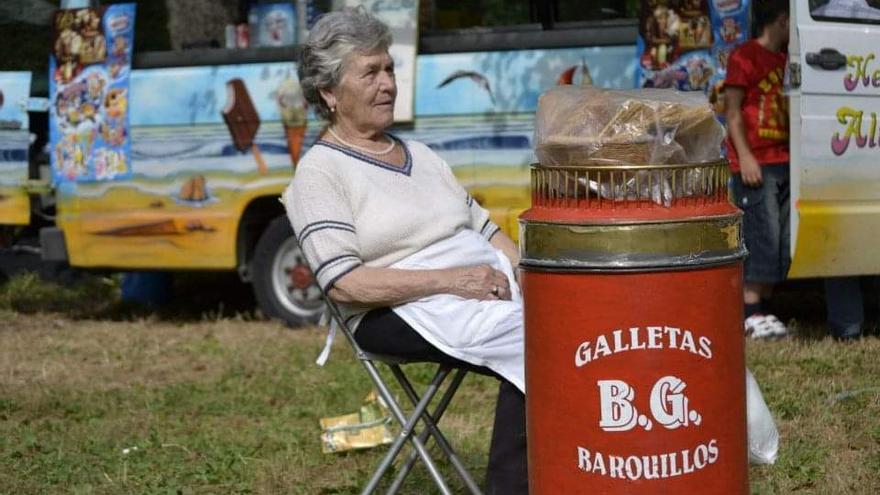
[836, 238]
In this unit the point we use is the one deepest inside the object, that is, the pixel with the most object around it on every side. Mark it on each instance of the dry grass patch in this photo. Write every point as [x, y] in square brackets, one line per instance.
[45, 350]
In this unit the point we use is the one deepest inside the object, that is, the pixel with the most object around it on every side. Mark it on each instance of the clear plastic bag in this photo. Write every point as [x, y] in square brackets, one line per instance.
[644, 126]
[763, 435]
[369, 427]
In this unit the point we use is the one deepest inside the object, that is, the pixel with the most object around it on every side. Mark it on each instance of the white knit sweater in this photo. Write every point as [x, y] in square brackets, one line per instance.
[348, 208]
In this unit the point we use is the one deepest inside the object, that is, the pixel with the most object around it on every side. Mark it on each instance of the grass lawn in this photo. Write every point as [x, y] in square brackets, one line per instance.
[97, 401]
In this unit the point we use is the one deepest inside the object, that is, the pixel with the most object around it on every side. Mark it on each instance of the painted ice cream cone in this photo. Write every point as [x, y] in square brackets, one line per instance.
[293, 116]
[295, 136]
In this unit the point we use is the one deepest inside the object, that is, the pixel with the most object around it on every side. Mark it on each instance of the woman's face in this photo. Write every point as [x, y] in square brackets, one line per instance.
[364, 98]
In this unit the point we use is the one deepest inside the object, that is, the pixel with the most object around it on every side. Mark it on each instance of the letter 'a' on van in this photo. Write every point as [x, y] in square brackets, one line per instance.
[835, 144]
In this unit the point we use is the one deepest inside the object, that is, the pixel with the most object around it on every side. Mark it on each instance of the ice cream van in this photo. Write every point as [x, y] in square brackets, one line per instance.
[834, 77]
[213, 135]
[191, 180]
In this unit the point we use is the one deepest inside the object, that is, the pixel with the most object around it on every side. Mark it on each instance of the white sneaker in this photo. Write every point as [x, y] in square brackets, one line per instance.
[760, 326]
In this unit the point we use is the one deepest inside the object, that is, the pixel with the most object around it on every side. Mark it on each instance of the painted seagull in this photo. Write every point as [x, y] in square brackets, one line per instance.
[473, 76]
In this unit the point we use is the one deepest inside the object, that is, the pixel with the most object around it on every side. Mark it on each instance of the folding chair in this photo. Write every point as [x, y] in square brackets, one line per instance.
[408, 423]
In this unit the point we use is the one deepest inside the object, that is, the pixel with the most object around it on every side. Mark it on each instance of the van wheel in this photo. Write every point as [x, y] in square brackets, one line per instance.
[283, 283]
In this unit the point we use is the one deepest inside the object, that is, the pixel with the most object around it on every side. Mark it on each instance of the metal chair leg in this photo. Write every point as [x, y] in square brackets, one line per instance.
[408, 424]
[424, 434]
[406, 432]
[431, 421]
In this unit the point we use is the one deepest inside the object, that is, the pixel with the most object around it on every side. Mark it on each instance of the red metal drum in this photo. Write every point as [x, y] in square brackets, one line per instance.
[635, 370]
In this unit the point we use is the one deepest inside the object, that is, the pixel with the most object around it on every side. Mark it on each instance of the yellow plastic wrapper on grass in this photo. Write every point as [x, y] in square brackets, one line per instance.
[369, 427]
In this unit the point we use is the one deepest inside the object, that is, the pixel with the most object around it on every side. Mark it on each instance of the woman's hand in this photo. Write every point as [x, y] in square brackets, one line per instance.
[480, 282]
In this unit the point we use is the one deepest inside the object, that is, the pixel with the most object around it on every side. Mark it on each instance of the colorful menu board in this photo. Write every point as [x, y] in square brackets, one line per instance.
[731, 28]
[684, 44]
[89, 70]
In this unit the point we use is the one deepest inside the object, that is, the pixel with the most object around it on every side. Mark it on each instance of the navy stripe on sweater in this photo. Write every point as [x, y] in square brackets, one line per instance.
[321, 225]
[405, 170]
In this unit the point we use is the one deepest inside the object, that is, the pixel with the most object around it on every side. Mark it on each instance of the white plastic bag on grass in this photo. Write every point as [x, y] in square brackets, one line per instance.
[763, 436]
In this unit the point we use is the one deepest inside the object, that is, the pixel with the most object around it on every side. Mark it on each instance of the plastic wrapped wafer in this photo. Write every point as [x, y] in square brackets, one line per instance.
[647, 126]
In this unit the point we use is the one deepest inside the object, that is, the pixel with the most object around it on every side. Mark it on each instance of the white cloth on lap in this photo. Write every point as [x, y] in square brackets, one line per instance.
[483, 333]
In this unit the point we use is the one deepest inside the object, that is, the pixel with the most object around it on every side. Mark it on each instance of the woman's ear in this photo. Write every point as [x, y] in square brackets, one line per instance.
[329, 98]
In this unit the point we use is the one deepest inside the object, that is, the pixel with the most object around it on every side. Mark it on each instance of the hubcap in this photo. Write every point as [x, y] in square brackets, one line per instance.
[300, 276]
[293, 282]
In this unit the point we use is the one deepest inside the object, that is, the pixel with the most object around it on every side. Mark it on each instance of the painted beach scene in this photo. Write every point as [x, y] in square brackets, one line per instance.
[209, 141]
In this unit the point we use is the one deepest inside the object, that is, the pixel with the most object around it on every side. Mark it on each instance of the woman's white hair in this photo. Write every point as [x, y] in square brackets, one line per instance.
[332, 40]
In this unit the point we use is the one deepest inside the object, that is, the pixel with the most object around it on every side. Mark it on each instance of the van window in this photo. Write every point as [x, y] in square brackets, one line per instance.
[450, 26]
[597, 10]
[441, 15]
[852, 11]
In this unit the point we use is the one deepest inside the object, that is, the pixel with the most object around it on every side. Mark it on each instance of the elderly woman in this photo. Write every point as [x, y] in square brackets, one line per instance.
[417, 267]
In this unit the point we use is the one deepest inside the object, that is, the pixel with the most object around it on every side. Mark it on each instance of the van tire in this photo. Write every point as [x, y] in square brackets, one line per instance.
[282, 281]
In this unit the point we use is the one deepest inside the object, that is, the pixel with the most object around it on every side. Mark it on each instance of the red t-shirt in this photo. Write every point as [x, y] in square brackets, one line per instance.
[760, 72]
